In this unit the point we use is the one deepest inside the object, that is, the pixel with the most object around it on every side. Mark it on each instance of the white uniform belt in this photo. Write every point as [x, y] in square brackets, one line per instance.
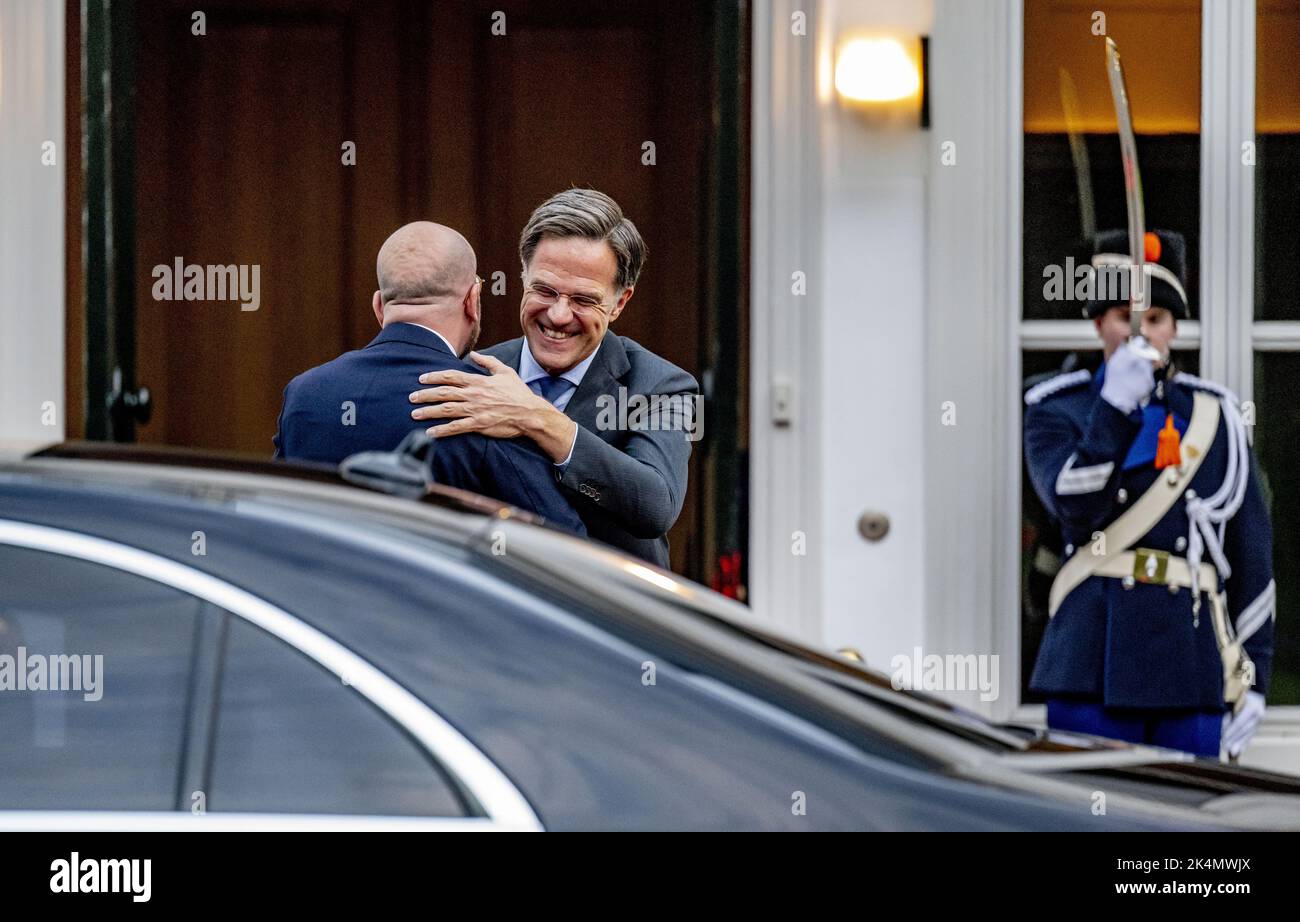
[1176, 571]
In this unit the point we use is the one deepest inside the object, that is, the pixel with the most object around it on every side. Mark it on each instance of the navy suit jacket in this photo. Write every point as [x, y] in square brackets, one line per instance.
[360, 402]
[627, 479]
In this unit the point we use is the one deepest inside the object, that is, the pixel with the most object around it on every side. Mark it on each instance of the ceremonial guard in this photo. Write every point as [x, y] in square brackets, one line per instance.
[1161, 616]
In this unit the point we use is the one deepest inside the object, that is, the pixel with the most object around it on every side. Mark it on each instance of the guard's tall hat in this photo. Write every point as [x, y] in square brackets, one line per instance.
[1166, 259]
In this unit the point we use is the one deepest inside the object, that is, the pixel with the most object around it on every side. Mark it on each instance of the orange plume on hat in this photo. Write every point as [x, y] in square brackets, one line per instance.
[1151, 247]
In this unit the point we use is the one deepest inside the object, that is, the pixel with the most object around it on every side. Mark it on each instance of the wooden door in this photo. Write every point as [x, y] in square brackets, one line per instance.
[239, 154]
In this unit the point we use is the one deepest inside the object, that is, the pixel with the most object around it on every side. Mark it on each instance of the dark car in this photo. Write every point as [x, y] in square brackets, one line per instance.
[283, 649]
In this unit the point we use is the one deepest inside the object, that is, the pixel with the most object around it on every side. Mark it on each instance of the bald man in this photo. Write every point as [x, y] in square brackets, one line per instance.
[428, 309]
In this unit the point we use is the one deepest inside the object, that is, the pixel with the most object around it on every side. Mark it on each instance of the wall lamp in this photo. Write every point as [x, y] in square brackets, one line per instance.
[885, 76]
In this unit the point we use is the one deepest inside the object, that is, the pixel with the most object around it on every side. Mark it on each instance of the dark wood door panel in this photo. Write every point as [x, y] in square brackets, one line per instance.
[244, 170]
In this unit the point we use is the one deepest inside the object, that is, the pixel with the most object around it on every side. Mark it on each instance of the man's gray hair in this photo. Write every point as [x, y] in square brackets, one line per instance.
[594, 216]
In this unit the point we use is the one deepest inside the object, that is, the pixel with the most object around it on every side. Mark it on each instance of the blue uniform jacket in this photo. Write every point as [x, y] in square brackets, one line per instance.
[1139, 647]
[360, 402]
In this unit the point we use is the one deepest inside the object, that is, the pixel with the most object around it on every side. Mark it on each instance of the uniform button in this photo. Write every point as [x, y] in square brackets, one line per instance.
[1069, 549]
[1129, 582]
[1191, 494]
[1173, 590]
[1122, 495]
[1180, 544]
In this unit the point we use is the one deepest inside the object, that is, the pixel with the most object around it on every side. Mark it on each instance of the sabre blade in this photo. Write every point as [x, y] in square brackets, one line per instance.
[1079, 154]
[1132, 185]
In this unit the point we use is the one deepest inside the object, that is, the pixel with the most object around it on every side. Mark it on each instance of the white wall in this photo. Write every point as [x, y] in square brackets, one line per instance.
[31, 218]
[910, 302]
[873, 267]
[842, 199]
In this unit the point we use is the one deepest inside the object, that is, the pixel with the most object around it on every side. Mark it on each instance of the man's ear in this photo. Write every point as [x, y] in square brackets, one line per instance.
[473, 303]
[625, 297]
[377, 305]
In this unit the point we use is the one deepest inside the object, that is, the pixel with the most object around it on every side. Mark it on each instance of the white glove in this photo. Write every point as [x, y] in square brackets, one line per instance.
[1129, 378]
[1240, 727]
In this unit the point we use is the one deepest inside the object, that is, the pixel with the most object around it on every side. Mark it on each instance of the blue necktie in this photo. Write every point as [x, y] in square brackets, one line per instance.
[551, 388]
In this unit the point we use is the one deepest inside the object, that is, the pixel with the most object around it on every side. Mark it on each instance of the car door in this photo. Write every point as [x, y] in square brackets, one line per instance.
[153, 695]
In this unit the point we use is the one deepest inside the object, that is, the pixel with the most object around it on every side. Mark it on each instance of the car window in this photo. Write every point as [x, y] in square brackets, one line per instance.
[291, 737]
[94, 684]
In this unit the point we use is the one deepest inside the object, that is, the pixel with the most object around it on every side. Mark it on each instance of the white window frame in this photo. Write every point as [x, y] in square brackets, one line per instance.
[1227, 339]
[785, 330]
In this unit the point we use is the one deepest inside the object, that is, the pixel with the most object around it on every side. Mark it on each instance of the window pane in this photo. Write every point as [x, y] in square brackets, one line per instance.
[1161, 51]
[292, 738]
[60, 750]
[1277, 433]
[1277, 160]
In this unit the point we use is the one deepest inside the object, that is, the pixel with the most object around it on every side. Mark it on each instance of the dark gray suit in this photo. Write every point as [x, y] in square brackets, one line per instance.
[627, 484]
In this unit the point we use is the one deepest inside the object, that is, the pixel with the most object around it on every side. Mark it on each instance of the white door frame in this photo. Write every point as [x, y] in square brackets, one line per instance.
[972, 475]
[785, 170]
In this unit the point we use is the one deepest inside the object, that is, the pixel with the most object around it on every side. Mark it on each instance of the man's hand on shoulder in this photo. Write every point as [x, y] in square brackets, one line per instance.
[499, 405]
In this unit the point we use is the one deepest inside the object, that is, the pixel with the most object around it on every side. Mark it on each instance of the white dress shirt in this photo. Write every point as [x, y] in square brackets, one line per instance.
[434, 332]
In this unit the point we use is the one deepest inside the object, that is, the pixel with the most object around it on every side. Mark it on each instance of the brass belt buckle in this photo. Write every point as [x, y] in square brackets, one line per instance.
[1150, 566]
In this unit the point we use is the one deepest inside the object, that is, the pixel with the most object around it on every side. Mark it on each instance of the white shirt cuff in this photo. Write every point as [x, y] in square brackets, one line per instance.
[561, 465]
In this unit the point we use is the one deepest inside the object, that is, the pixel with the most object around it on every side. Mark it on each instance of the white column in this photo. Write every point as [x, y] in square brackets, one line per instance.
[1227, 305]
[784, 337]
[972, 467]
[31, 219]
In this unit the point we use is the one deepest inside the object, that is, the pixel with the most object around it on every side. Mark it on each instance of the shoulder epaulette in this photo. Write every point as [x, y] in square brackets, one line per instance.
[1201, 384]
[1053, 385]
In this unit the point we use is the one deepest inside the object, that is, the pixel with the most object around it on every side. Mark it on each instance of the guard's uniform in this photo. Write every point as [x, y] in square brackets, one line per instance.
[1129, 648]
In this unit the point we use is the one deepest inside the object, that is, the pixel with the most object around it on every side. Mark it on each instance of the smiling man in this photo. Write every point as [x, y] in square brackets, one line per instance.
[428, 306]
[627, 478]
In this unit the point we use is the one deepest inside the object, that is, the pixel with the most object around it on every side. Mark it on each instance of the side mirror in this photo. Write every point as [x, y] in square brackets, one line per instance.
[404, 471]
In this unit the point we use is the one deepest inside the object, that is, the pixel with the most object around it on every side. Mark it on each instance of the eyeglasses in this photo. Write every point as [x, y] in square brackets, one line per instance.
[579, 304]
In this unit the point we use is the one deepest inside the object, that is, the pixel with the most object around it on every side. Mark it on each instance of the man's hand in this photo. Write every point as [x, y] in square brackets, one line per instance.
[1130, 377]
[1240, 727]
[500, 405]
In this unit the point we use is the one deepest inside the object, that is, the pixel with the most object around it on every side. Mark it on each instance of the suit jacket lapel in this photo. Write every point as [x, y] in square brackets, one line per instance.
[509, 352]
[602, 377]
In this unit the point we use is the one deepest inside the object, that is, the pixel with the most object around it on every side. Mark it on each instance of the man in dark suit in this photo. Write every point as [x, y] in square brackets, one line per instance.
[616, 420]
[428, 307]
